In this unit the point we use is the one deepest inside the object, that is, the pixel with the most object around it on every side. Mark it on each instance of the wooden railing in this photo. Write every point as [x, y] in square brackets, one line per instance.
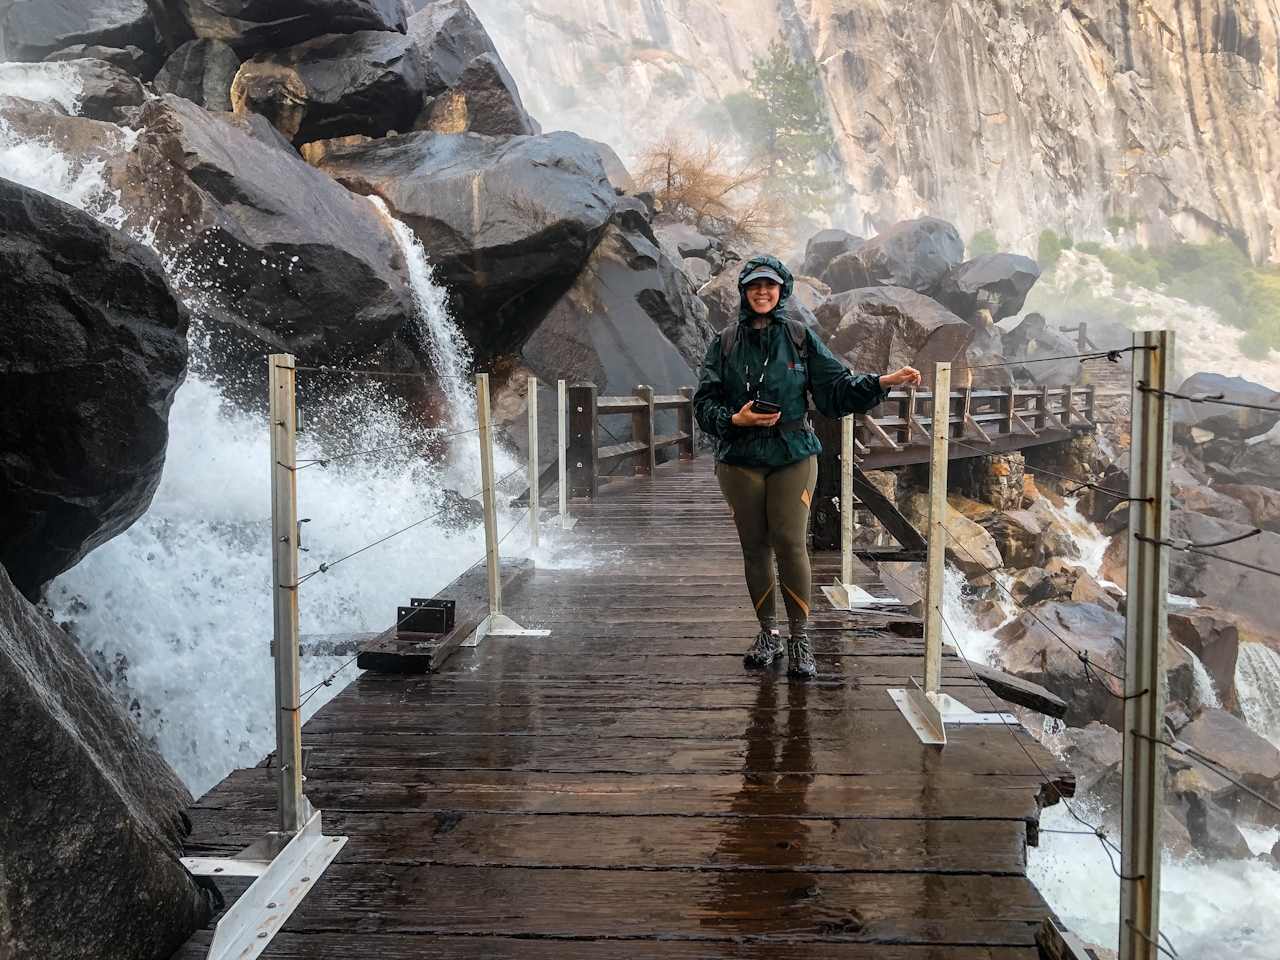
[898, 431]
[588, 460]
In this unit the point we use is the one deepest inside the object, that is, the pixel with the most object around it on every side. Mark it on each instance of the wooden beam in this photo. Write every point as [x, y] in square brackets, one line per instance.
[1022, 692]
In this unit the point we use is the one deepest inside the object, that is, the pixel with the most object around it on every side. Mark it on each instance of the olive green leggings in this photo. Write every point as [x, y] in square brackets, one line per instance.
[770, 506]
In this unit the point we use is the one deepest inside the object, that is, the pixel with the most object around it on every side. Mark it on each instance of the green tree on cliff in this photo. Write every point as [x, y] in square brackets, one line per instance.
[782, 119]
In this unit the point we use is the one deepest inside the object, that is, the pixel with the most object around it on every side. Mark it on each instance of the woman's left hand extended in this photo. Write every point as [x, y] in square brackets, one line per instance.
[899, 377]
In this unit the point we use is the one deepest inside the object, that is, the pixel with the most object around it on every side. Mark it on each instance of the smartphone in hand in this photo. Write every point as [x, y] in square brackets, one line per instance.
[765, 407]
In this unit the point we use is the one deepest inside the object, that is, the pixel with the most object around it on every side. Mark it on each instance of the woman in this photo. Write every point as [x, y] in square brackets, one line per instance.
[767, 463]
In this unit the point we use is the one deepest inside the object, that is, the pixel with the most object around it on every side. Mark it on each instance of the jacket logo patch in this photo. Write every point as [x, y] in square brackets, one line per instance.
[796, 366]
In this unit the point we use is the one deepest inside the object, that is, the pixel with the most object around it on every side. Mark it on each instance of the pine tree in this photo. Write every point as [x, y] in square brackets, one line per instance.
[783, 121]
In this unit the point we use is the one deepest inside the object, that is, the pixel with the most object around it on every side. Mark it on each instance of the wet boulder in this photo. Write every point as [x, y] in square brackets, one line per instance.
[449, 36]
[1221, 583]
[825, 246]
[1263, 503]
[507, 223]
[279, 256]
[995, 282]
[1246, 757]
[1210, 501]
[132, 60]
[1201, 422]
[92, 349]
[617, 172]
[89, 88]
[1095, 754]
[686, 239]
[202, 71]
[916, 254]
[252, 26]
[362, 83]
[631, 317]
[1041, 346]
[969, 546]
[1019, 536]
[92, 820]
[33, 29]
[883, 328]
[484, 99]
[1255, 461]
[1214, 637]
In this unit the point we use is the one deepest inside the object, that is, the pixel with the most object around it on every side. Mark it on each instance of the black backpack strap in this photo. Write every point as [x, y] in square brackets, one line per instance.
[727, 336]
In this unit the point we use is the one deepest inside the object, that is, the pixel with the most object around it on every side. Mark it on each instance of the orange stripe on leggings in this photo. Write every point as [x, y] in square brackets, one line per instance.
[803, 606]
[764, 596]
[804, 495]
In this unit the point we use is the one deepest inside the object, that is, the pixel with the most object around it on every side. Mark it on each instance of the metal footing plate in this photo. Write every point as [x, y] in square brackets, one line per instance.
[929, 714]
[848, 597]
[248, 927]
[501, 626]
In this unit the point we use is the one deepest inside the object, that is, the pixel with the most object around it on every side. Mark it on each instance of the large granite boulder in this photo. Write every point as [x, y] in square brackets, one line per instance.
[1247, 757]
[1220, 583]
[1201, 422]
[1214, 637]
[1256, 461]
[132, 60]
[971, 548]
[279, 256]
[484, 99]
[995, 282]
[507, 223]
[825, 246]
[89, 88]
[449, 36]
[92, 349]
[1263, 503]
[614, 168]
[883, 328]
[33, 29]
[916, 254]
[631, 317]
[251, 26]
[202, 71]
[91, 817]
[334, 86]
[1049, 355]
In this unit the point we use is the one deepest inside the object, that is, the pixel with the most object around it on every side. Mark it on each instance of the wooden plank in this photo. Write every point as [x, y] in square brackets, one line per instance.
[1019, 691]
[611, 405]
[389, 654]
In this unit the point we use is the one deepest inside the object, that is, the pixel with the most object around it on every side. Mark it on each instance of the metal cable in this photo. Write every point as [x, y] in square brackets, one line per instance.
[1112, 355]
[325, 461]
[1214, 766]
[1037, 470]
[380, 373]
[1219, 398]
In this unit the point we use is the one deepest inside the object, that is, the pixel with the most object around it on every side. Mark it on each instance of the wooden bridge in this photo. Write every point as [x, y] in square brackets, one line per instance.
[625, 789]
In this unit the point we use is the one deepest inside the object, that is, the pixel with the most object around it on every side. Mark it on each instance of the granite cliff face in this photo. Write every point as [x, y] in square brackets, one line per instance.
[1010, 114]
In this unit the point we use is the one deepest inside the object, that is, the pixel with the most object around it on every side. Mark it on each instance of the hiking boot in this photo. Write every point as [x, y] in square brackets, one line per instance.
[800, 653]
[766, 649]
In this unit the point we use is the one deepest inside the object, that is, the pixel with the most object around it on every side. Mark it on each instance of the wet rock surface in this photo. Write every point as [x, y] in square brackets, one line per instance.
[507, 223]
[995, 282]
[824, 247]
[132, 60]
[482, 100]
[915, 254]
[250, 26]
[449, 37]
[33, 29]
[88, 370]
[1048, 352]
[93, 818]
[362, 83]
[201, 71]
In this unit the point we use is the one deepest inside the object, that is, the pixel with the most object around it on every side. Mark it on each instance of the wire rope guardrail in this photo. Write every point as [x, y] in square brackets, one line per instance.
[1111, 355]
[421, 442]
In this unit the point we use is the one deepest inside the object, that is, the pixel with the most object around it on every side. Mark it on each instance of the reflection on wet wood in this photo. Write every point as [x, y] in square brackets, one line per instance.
[625, 789]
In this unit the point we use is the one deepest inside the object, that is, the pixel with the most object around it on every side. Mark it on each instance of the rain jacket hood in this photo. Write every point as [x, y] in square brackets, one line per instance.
[778, 313]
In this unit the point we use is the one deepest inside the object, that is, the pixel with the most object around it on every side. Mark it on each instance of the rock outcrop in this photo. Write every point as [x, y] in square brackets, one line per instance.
[825, 246]
[250, 26]
[276, 253]
[132, 60]
[995, 282]
[88, 370]
[883, 328]
[33, 29]
[450, 37]
[1049, 353]
[202, 71]
[89, 88]
[916, 254]
[359, 84]
[91, 817]
[507, 223]
[1202, 422]
[482, 100]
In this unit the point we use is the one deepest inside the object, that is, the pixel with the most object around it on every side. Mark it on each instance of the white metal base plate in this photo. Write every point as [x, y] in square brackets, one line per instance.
[245, 930]
[848, 597]
[500, 626]
[929, 714]
[565, 523]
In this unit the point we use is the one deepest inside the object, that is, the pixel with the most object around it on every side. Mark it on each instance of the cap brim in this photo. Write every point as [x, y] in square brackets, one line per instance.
[762, 273]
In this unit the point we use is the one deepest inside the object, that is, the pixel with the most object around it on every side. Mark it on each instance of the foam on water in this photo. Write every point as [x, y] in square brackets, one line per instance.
[1258, 684]
[56, 82]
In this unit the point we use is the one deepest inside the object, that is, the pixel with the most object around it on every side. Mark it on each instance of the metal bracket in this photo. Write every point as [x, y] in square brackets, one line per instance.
[929, 713]
[286, 867]
[499, 625]
[565, 523]
[849, 597]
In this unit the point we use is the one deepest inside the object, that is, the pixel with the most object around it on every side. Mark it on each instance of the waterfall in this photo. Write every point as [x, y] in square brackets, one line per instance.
[1258, 684]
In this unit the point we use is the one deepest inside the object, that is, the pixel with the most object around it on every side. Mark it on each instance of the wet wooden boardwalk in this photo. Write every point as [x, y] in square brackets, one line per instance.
[625, 789]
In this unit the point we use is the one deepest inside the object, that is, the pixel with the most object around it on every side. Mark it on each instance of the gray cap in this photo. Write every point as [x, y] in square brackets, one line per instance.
[767, 273]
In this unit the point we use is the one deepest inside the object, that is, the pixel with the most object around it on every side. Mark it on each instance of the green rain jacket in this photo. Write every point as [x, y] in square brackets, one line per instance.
[766, 365]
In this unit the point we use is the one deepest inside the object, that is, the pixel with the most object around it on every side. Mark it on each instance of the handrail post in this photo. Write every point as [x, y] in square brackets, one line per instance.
[935, 565]
[642, 432]
[492, 562]
[1142, 792]
[284, 589]
[685, 424]
[846, 501]
[584, 440]
[562, 440]
[535, 482]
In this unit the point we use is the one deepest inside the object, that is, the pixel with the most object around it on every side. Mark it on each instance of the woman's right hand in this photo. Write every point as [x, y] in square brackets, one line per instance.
[747, 418]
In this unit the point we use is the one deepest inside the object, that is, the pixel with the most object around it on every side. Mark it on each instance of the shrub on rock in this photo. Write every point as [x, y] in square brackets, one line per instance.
[362, 83]
[508, 223]
[93, 818]
[92, 349]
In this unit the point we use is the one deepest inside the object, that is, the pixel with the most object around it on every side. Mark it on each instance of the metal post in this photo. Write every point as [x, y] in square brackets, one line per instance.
[284, 588]
[1142, 797]
[937, 531]
[846, 501]
[535, 482]
[487, 485]
[562, 413]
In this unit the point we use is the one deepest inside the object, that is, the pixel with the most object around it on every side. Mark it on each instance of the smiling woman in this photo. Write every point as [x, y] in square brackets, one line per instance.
[753, 398]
